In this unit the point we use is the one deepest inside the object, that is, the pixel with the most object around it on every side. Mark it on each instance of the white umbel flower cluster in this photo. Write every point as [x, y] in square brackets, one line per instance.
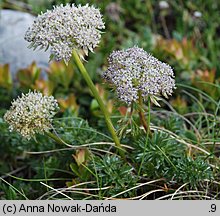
[66, 28]
[134, 71]
[31, 113]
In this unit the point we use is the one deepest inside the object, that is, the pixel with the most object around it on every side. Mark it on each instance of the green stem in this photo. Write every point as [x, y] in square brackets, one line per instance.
[99, 100]
[55, 138]
[148, 118]
[145, 124]
[148, 134]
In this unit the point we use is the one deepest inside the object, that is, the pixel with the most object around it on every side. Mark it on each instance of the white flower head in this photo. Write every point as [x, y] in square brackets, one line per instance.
[197, 14]
[66, 28]
[163, 5]
[134, 71]
[31, 113]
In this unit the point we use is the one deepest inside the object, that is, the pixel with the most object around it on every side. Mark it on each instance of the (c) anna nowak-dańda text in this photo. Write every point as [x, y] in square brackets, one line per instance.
[67, 208]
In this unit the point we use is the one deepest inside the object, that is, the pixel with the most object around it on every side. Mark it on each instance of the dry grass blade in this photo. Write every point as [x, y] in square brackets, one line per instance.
[76, 185]
[179, 139]
[150, 192]
[135, 187]
[181, 192]
[59, 192]
[79, 146]
[182, 186]
[194, 197]
[13, 172]
[184, 118]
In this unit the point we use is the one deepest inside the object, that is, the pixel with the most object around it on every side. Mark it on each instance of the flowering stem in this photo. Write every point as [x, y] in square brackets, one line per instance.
[99, 100]
[148, 134]
[55, 137]
[145, 124]
[148, 118]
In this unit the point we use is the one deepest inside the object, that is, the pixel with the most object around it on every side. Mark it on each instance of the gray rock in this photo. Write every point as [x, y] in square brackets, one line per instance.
[13, 47]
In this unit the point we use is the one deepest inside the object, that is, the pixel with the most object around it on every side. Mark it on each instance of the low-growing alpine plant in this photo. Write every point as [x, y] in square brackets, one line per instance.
[137, 76]
[68, 30]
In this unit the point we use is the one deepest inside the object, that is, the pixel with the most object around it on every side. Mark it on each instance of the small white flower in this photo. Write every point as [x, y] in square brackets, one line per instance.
[134, 71]
[31, 113]
[66, 28]
[197, 14]
[163, 5]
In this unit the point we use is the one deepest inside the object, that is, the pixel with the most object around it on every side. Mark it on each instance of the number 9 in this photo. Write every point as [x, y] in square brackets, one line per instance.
[213, 208]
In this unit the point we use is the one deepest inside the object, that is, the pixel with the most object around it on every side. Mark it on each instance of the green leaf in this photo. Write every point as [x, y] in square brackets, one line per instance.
[75, 169]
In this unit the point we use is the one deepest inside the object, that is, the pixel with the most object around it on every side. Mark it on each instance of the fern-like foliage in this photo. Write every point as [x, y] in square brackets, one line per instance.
[77, 131]
[112, 171]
